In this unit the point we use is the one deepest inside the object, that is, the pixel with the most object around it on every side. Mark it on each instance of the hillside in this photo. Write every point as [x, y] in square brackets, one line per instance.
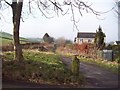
[6, 38]
[35, 39]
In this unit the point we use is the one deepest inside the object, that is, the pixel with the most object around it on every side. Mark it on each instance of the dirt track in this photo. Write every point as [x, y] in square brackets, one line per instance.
[96, 76]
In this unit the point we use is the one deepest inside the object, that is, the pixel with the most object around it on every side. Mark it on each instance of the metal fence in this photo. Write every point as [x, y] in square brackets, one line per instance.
[109, 55]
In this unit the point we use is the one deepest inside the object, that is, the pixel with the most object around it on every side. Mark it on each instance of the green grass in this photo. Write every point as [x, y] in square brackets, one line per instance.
[4, 34]
[5, 42]
[38, 67]
[6, 39]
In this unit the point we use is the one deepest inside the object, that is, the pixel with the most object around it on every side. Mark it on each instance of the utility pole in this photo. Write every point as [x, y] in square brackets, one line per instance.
[119, 21]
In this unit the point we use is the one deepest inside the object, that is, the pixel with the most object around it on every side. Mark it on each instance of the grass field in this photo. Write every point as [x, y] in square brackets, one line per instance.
[39, 67]
[7, 39]
[5, 42]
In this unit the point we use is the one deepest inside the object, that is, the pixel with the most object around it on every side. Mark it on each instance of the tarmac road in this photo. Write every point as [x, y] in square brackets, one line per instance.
[97, 77]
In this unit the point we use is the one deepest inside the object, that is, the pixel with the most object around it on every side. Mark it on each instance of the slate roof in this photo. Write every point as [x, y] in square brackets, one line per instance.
[118, 42]
[85, 35]
[46, 35]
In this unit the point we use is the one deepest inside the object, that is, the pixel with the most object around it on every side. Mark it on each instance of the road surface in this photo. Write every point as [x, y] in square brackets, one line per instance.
[96, 77]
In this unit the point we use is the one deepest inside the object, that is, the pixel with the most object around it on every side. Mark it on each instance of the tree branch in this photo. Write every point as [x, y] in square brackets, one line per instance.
[42, 11]
[55, 4]
[29, 6]
[8, 3]
[73, 18]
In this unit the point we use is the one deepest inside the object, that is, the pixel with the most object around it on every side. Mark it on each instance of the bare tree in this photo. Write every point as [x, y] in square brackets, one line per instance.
[16, 7]
[58, 6]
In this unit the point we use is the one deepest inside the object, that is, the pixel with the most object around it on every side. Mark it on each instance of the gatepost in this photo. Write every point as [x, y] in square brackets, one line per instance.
[75, 68]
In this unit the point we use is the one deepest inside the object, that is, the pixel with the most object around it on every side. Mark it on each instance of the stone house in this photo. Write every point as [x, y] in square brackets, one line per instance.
[47, 38]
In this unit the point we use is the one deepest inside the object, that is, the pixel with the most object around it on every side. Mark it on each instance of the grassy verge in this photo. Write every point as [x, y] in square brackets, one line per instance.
[112, 66]
[38, 67]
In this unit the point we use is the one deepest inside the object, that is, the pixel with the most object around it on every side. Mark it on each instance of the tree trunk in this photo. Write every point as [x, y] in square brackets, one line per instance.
[16, 9]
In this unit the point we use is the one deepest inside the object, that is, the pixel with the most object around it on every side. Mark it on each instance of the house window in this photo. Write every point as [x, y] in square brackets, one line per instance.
[89, 40]
[81, 40]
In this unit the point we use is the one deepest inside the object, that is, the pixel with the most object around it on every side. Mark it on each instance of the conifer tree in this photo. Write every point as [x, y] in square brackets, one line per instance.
[99, 39]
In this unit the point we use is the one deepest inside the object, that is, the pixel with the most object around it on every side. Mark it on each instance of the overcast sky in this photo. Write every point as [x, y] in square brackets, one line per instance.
[36, 25]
